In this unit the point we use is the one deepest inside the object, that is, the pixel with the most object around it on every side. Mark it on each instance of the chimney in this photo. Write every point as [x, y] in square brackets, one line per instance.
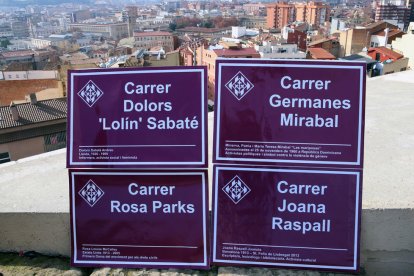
[31, 98]
[34, 66]
[386, 31]
[14, 112]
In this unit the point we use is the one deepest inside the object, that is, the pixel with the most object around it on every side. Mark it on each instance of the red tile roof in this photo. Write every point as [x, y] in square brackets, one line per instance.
[237, 53]
[387, 52]
[320, 53]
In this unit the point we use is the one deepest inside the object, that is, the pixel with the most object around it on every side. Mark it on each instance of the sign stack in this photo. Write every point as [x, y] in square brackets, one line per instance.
[289, 139]
[137, 155]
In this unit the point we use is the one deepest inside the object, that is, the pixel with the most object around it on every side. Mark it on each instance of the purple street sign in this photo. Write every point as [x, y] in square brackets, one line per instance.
[139, 219]
[289, 113]
[148, 117]
[293, 218]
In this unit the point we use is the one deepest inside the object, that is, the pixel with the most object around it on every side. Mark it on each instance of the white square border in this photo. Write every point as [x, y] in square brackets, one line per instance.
[203, 132]
[169, 264]
[215, 207]
[222, 63]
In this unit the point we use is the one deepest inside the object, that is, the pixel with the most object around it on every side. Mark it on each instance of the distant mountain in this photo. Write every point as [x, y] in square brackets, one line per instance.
[23, 3]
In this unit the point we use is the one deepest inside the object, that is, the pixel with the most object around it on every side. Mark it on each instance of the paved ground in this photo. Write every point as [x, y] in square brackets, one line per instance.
[31, 263]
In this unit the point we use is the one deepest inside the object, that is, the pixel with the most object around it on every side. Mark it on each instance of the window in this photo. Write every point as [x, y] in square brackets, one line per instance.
[55, 141]
[4, 157]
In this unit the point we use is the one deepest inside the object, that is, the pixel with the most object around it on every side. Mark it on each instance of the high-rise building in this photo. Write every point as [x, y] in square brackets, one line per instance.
[279, 15]
[316, 13]
[283, 13]
[394, 11]
[410, 5]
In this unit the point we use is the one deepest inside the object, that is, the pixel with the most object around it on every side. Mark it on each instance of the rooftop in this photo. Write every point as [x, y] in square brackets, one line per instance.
[320, 53]
[237, 53]
[358, 57]
[201, 30]
[21, 53]
[139, 34]
[322, 40]
[379, 23]
[42, 111]
[385, 51]
[391, 33]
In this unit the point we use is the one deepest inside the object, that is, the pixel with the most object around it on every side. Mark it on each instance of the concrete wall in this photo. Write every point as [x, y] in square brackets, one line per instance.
[395, 66]
[12, 90]
[405, 46]
[30, 75]
[24, 148]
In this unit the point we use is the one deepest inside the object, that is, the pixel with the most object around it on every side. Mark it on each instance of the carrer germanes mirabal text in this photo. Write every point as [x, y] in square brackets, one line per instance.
[137, 103]
[313, 103]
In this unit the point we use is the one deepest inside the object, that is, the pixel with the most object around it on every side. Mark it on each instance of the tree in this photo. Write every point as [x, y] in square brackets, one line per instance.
[173, 26]
[4, 43]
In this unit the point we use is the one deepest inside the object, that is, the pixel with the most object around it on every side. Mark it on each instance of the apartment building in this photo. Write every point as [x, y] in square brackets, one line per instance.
[148, 40]
[279, 15]
[282, 13]
[396, 11]
[109, 30]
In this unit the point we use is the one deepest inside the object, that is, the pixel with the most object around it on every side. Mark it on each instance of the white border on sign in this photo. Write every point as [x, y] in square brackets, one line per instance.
[203, 146]
[215, 206]
[74, 231]
[218, 157]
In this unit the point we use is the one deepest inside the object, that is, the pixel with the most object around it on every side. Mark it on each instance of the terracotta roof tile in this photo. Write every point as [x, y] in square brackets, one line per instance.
[320, 53]
[236, 53]
[388, 52]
